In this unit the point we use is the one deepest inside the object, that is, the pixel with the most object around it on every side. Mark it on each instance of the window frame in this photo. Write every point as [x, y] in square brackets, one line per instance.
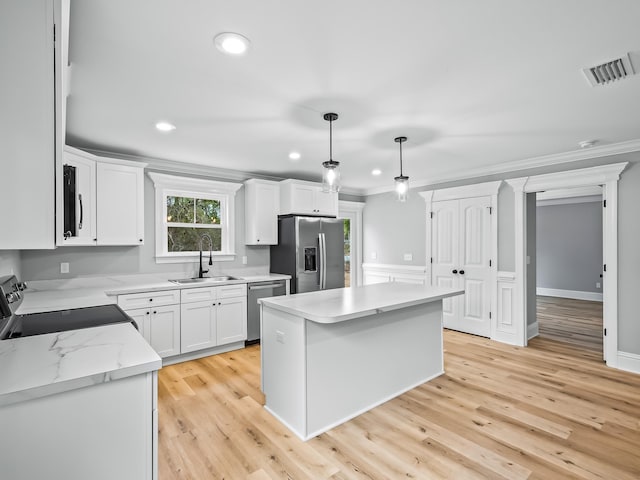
[171, 185]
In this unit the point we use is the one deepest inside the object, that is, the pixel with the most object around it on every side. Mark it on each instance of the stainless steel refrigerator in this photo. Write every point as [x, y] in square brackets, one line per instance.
[311, 250]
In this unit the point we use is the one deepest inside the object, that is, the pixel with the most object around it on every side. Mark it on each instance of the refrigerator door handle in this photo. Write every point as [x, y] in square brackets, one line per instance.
[323, 261]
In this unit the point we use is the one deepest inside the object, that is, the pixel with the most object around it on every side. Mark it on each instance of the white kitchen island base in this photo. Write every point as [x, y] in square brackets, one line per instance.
[318, 373]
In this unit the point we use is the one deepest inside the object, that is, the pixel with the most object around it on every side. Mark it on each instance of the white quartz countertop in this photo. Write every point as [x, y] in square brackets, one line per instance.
[43, 365]
[340, 304]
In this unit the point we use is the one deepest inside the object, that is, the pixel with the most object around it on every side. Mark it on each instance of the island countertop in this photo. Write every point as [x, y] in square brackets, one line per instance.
[341, 304]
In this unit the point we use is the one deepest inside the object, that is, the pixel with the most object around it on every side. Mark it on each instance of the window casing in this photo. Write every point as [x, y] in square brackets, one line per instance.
[187, 208]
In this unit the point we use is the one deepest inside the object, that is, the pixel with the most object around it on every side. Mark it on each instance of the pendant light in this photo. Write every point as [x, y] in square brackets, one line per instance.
[330, 171]
[402, 181]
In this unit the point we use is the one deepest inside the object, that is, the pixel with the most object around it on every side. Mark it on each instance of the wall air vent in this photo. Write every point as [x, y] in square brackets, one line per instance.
[610, 71]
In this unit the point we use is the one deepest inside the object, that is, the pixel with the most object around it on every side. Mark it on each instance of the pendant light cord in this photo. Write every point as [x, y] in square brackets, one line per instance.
[400, 142]
[331, 140]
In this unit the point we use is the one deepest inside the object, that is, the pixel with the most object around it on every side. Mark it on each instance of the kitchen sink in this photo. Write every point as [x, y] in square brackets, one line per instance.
[187, 281]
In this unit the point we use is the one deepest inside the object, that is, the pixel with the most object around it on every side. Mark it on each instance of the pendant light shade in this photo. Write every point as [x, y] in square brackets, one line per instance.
[402, 181]
[331, 168]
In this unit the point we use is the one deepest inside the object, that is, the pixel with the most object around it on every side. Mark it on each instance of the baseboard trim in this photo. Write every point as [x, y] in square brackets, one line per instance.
[574, 294]
[629, 362]
[532, 330]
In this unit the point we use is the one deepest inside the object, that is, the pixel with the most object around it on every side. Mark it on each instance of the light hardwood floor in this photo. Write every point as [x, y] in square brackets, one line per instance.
[549, 411]
[576, 322]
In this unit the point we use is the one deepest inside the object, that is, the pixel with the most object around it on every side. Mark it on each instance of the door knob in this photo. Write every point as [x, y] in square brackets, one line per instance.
[461, 272]
[454, 271]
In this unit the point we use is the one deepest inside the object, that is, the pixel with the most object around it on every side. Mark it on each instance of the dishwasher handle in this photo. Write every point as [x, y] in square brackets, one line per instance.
[263, 287]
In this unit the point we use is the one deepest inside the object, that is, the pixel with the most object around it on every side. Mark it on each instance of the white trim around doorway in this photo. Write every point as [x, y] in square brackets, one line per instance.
[607, 176]
[353, 211]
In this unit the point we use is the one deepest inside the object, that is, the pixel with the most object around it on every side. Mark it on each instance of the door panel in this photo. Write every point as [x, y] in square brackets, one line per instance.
[475, 235]
[333, 230]
[449, 305]
[307, 255]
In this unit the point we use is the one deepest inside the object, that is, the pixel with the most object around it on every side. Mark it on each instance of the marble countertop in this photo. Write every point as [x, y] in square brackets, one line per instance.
[43, 365]
[338, 305]
[50, 295]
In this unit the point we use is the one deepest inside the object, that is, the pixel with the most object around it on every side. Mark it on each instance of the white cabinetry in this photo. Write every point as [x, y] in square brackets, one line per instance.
[109, 201]
[306, 198]
[261, 207]
[212, 316]
[31, 129]
[158, 317]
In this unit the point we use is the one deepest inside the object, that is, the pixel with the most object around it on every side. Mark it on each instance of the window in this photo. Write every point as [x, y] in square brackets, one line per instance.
[191, 211]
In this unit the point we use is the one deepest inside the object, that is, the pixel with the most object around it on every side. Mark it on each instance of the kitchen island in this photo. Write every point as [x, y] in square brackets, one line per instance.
[331, 355]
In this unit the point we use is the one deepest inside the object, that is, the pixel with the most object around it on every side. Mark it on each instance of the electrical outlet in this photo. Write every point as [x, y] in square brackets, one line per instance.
[244, 259]
[279, 336]
[408, 257]
[528, 260]
[597, 284]
[374, 255]
[64, 267]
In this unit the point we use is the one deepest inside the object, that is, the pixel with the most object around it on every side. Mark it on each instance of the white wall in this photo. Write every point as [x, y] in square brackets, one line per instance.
[10, 263]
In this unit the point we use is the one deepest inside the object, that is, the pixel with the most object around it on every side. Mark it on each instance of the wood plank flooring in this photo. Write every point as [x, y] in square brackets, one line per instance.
[550, 411]
[577, 322]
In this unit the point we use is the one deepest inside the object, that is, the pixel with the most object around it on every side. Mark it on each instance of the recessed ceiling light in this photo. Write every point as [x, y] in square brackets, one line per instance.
[232, 43]
[294, 155]
[587, 143]
[376, 171]
[165, 126]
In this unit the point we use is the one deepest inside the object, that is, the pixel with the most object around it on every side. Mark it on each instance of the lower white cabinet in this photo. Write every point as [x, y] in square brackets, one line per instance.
[160, 327]
[219, 319]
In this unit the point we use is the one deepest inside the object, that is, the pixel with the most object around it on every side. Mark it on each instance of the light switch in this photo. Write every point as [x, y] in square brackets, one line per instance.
[279, 336]
[528, 260]
[64, 267]
[244, 260]
[597, 284]
[408, 257]
[374, 255]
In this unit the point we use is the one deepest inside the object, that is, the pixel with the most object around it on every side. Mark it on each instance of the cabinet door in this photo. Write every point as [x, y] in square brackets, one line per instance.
[142, 317]
[198, 326]
[85, 202]
[164, 330]
[27, 126]
[262, 204]
[232, 320]
[120, 204]
[445, 245]
[326, 203]
[303, 198]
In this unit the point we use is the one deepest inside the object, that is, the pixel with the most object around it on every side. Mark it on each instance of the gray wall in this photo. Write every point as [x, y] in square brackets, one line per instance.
[45, 264]
[531, 253]
[570, 246]
[10, 263]
[392, 228]
[383, 217]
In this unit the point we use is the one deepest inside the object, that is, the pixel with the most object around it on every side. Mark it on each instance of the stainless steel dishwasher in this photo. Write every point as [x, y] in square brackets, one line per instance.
[256, 290]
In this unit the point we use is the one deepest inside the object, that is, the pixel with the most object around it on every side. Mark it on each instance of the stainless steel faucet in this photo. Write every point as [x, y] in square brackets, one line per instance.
[201, 272]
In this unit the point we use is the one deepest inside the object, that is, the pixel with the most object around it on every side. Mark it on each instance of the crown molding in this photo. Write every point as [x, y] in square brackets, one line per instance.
[514, 166]
[172, 166]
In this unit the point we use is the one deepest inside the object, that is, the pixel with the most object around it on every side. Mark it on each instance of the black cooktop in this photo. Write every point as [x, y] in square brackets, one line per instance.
[64, 320]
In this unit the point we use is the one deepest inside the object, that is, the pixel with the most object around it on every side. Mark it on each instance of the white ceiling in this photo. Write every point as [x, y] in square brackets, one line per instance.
[473, 84]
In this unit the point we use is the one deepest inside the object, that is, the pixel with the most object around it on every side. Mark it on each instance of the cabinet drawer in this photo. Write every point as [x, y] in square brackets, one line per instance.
[229, 291]
[202, 294]
[146, 299]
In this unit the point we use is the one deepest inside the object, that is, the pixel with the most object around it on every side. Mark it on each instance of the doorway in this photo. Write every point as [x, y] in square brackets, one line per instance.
[564, 274]
[351, 213]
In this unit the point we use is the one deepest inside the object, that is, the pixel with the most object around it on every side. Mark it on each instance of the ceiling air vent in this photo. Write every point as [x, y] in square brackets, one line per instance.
[610, 71]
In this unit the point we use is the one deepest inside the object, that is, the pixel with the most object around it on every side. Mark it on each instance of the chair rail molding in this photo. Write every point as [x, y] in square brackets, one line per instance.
[607, 176]
[385, 272]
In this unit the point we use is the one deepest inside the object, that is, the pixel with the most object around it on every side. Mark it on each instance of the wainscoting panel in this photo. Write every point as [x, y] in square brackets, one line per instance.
[381, 272]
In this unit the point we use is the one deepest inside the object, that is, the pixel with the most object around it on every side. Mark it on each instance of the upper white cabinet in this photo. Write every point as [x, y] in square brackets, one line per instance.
[261, 207]
[102, 201]
[306, 198]
[31, 130]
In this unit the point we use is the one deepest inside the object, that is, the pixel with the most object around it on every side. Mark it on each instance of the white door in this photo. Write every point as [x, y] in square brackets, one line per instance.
[461, 251]
[445, 253]
[198, 325]
[474, 272]
[232, 320]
